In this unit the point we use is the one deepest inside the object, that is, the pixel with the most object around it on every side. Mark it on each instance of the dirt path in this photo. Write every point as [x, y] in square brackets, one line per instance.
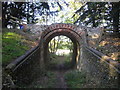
[52, 78]
[60, 80]
[60, 74]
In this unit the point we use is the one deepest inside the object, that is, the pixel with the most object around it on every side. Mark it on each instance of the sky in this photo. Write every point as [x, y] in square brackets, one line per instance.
[58, 19]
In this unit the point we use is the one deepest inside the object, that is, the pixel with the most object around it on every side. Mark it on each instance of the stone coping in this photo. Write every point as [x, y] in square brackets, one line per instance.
[13, 65]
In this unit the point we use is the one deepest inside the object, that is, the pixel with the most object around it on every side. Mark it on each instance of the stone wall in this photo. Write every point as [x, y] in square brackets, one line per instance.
[26, 68]
[100, 70]
[94, 36]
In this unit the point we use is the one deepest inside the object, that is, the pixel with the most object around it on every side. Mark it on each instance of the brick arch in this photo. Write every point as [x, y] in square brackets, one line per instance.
[71, 31]
[65, 29]
[73, 36]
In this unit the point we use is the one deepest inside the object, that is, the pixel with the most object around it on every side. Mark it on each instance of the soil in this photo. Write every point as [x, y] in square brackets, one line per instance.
[56, 81]
[46, 81]
[110, 45]
[60, 80]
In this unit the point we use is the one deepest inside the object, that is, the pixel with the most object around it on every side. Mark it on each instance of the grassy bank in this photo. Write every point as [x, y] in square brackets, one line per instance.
[14, 44]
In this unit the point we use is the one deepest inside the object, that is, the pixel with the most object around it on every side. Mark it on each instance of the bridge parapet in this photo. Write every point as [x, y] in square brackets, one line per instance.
[25, 68]
[101, 71]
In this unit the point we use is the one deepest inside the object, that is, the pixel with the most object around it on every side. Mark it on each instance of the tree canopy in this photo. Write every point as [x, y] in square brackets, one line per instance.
[99, 14]
[92, 14]
[29, 11]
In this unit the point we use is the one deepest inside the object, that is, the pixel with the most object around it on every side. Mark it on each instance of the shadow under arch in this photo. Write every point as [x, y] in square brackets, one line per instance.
[75, 38]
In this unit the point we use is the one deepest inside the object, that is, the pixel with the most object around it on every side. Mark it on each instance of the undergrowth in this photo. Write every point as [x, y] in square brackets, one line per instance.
[56, 60]
[75, 79]
[46, 81]
[51, 79]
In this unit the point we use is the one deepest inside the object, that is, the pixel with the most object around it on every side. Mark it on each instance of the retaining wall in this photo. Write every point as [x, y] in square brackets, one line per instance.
[101, 71]
[26, 68]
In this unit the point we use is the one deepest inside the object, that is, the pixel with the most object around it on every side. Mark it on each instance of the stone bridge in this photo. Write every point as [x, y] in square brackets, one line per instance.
[99, 67]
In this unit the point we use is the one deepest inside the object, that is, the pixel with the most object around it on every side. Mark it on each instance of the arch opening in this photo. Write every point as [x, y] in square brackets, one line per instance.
[60, 51]
[75, 50]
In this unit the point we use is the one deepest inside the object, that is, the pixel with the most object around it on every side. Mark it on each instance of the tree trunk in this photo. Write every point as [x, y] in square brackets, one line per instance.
[28, 20]
[115, 16]
[4, 20]
[4, 24]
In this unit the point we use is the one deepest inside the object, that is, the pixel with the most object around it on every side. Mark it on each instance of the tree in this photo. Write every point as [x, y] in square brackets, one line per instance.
[26, 11]
[99, 14]
[60, 42]
[54, 44]
[12, 9]
[71, 8]
[91, 14]
[4, 12]
[115, 15]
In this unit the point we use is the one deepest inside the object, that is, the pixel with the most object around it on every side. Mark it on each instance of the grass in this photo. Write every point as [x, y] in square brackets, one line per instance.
[49, 82]
[13, 46]
[75, 79]
[53, 60]
[51, 79]
[53, 57]
[68, 59]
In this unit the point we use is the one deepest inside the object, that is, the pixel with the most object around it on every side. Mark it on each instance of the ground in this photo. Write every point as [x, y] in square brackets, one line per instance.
[110, 45]
[61, 78]
[53, 79]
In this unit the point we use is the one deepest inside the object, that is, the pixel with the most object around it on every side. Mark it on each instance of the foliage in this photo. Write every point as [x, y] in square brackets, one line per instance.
[91, 13]
[68, 59]
[57, 56]
[53, 61]
[72, 7]
[99, 14]
[75, 79]
[109, 45]
[14, 45]
[60, 42]
[52, 79]
[9, 9]
[26, 11]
